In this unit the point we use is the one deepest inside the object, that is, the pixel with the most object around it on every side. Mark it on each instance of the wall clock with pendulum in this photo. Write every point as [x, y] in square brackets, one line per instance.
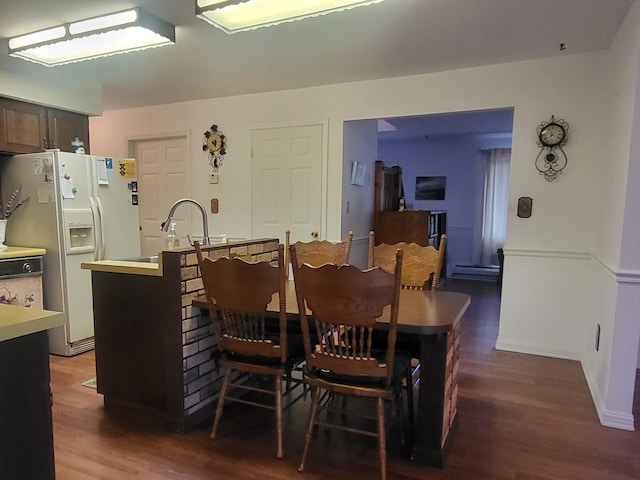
[552, 159]
[214, 142]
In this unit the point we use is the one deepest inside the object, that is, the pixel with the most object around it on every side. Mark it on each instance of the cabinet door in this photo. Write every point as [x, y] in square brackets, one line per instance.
[64, 127]
[23, 127]
[26, 432]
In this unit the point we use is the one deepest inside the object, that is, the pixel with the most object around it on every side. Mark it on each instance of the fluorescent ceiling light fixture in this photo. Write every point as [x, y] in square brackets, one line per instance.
[240, 15]
[120, 32]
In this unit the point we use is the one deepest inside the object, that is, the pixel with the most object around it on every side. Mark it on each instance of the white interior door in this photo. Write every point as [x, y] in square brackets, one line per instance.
[287, 182]
[163, 178]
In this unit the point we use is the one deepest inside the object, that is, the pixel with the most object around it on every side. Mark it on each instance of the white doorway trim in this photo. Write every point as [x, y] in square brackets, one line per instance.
[130, 142]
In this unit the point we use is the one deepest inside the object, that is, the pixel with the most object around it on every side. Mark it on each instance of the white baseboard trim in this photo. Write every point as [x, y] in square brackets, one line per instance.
[535, 349]
[621, 421]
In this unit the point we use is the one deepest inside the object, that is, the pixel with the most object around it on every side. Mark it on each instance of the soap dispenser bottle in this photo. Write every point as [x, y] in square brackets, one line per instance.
[172, 239]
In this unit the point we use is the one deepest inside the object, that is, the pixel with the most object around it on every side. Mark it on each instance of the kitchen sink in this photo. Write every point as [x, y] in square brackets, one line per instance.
[150, 259]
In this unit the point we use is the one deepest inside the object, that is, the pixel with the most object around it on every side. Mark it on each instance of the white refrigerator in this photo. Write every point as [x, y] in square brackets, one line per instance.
[81, 208]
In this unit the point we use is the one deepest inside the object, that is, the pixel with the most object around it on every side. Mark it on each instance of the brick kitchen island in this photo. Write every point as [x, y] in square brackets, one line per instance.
[156, 355]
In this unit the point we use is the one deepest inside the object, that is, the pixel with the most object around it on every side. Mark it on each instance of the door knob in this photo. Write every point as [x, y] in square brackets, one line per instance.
[314, 234]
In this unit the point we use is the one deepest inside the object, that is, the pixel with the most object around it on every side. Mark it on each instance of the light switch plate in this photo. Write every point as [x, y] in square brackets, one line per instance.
[214, 178]
[525, 204]
[214, 205]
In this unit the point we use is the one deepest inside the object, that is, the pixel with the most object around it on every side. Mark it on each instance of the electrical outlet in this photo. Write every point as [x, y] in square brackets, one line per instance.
[214, 178]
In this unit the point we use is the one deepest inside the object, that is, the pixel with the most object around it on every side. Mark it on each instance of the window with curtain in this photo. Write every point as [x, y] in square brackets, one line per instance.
[496, 190]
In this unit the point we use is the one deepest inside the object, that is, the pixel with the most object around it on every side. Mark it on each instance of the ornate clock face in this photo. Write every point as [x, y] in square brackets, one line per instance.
[551, 135]
[214, 142]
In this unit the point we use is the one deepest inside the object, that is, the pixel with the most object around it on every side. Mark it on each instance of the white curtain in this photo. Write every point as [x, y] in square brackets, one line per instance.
[494, 223]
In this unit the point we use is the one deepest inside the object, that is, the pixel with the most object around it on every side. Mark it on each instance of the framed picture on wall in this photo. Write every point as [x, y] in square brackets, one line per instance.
[430, 188]
[358, 171]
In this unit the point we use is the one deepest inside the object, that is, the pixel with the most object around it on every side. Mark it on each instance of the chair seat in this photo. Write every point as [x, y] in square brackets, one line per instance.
[294, 333]
[407, 342]
[401, 363]
[295, 352]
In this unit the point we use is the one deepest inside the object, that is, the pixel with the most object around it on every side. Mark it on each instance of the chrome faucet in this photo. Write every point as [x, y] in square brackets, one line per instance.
[205, 224]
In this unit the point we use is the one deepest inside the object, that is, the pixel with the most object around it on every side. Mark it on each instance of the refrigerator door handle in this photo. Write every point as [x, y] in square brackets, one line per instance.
[94, 212]
[103, 241]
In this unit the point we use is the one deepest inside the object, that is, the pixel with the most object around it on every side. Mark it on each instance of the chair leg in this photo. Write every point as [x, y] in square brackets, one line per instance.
[409, 380]
[382, 440]
[398, 401]
[315, 397]
[343, 415]
[288, 381]
[223, 393]
[279, 452]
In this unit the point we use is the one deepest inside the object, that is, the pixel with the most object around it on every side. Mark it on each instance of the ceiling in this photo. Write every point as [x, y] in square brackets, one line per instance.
[493, 124]
[392, 38]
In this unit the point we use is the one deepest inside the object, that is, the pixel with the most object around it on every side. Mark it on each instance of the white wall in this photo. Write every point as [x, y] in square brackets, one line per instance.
[547, 261]
[611, 371]
[360, 144]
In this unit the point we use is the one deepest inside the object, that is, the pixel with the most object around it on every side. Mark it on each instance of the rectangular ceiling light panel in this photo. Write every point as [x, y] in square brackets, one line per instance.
[121, 32]
[240, 15]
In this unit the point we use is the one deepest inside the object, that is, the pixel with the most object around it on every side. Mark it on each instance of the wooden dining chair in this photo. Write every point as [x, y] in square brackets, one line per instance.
[345, 302]
[420, 264]
[238, 293]
[319, 252]
[420, 271]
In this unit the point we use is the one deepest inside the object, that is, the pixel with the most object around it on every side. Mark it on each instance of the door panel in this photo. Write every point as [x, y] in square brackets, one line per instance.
[287, 178]
[163, 178]
[23, 127]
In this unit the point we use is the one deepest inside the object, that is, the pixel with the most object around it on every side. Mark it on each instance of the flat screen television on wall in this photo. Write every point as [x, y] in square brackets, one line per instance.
[430, 188]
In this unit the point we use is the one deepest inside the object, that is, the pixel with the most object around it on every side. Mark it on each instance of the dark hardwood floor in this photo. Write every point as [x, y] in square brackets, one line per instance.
[520, 417]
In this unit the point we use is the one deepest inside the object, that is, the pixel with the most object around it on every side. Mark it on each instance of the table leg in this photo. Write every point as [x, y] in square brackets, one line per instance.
[437, 391]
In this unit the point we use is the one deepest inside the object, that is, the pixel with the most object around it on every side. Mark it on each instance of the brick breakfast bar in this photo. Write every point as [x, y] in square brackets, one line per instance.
[156, 355]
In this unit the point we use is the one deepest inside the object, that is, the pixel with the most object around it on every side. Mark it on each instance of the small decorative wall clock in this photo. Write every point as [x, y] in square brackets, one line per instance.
[214, 142]
[552, 159]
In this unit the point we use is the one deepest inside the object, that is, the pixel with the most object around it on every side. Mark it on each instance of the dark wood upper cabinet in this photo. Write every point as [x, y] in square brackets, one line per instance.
[30, 128]
[23, 127]
[64, 127]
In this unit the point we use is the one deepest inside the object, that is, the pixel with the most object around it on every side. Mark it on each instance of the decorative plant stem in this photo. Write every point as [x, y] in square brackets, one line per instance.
[10, 208]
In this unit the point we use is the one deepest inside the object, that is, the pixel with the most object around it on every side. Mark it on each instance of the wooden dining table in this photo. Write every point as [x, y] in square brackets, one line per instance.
[434, 317]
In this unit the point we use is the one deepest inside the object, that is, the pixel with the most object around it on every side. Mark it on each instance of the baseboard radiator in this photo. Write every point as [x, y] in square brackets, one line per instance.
[476, 272]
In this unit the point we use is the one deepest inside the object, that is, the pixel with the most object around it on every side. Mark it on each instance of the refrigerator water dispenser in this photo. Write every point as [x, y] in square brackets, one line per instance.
[79, 231]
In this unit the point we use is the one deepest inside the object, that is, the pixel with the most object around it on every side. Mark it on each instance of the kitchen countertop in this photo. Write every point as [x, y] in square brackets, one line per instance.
[17, 252]
[18, 321]
[151, 269]
[124, 266]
